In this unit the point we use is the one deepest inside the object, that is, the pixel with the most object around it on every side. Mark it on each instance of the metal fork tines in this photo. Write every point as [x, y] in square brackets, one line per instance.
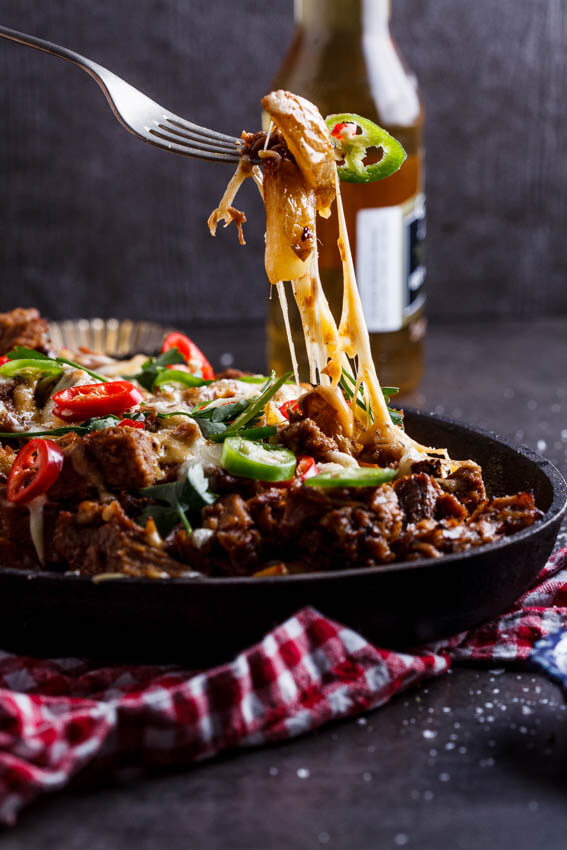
[177, 131]
[141, 116]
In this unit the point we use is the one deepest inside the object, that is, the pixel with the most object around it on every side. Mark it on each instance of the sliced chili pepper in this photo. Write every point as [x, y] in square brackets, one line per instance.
[289, 407]
[193, 355]
[35, 469]
[344, 130]
[353, 477]
[247, 459]
[133, 423]
[306, 467]
[88, 400]
[352, 147]
[4, 359]
[9, 368]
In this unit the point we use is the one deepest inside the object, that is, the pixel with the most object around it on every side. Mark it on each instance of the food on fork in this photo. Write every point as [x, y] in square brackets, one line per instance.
[157, 467]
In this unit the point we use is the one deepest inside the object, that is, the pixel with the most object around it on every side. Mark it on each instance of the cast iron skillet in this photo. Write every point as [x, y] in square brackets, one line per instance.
[205, 621]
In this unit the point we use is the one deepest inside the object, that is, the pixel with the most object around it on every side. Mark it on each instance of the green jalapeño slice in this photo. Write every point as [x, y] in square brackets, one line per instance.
[352, 477]
[352, 136]
[247, 459]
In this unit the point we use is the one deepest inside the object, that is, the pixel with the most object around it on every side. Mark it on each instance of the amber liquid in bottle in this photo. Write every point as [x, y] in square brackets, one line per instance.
[344, 60]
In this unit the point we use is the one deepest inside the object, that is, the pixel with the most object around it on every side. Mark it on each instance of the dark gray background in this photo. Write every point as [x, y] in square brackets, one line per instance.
[92, 221]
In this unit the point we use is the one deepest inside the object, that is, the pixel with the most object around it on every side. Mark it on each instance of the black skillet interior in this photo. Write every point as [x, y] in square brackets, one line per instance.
[201, 622]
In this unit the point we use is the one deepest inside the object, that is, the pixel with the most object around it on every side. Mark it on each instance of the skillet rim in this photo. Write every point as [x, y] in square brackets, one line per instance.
[554, 513]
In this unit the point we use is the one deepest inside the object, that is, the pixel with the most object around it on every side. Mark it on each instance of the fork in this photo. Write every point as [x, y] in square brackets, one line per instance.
[141, 116]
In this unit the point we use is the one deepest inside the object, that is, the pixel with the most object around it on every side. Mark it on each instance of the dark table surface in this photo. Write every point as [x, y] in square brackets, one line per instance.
[475, 760]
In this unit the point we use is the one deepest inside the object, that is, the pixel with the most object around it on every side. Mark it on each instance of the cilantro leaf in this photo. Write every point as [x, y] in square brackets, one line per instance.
[22, 353]
[177, 499]
[154, 365]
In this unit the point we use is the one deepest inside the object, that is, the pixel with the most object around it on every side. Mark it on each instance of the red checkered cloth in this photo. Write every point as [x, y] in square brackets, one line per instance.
[58, 716]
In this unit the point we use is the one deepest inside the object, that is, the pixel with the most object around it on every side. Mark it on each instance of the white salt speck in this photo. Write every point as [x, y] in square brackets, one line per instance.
[227, 359]
[523, 730]
[456, 725]
[428, 795]
[497, 672]
[463, 750]
[401, 840]
[453, 737]
[446, 709]
[323, 838]
[444, 777]
[564, 434]
[533, 806]
[537, 689]
[450, 745]
[362, 721]
[525, 690]
[367, 776]
[429, 733]
[526, 710]
[495, 690]
[479, 710]
[303, 773]
[490, 719]
[273, 771]
[541, 445]
[433, 753]
[489, 705]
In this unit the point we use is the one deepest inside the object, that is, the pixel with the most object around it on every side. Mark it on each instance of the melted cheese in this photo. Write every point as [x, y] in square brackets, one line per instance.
[35, 508]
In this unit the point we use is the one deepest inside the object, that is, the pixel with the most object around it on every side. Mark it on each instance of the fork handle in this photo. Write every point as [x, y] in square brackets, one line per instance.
[101, 75]
[55, 49]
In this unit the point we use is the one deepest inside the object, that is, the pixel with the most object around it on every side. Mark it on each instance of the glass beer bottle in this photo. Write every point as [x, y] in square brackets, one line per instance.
[343, 58]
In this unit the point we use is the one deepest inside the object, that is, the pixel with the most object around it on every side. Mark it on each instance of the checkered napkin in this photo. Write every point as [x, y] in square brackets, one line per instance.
[58, 716]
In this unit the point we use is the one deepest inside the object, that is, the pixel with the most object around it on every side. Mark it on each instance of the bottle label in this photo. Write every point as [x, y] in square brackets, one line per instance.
[390, 266]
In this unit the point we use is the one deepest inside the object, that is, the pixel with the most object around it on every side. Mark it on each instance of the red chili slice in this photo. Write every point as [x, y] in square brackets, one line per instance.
[4, 359]
[343, 130]
[133, 423]
[289, 407]
[193, 355]
[306, 467]
[35, 469]
[77, 403]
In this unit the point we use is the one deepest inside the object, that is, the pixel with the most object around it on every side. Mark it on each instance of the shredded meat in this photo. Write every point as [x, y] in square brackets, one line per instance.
[22, 327]
[508, 513]
[113, 458]
[311, 529]
[305, 437]
[466, 485]
[100, 538]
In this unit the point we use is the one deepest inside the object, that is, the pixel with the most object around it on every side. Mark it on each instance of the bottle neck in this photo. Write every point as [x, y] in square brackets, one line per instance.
[363, 16]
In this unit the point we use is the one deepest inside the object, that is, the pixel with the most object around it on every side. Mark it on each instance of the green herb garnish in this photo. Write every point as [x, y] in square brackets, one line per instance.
[255, 407]
[154, 366]
[176, 500]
